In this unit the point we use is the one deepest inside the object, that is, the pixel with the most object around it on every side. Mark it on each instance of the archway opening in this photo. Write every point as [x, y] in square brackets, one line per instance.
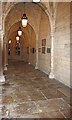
[24, 49]
[38, 19]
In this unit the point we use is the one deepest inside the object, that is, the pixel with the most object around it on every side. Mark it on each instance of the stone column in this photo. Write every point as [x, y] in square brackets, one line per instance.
[2, 78]
[36, 67]
[5, 55]
[51, 75]
[29, 53]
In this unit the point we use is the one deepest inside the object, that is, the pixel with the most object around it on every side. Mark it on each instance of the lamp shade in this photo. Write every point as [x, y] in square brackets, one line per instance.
[19, 31]
[36, 0]
[24, 20]
[17, 37]
[9, 41]
[17, 41]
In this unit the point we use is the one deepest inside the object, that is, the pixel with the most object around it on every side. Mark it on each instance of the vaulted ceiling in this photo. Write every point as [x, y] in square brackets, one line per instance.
[13, 11]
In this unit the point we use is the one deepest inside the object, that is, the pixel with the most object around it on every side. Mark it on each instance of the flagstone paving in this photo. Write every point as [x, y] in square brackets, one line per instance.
[29, 93]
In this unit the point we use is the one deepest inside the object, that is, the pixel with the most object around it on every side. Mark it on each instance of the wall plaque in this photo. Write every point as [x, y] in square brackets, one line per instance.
[43, 50]
[39, 49]
[48, 50]
[43, 42]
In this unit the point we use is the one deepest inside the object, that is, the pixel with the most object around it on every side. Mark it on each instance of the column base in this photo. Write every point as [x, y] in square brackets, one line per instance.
[51, 75]
[2, 78]
[29, 63]
[5, 68]
[36, 67]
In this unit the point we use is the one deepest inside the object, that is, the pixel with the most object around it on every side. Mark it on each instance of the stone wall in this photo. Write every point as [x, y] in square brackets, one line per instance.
[62, 44]
[44, 33]
[71, 44]
[32, 55]
[40, 23]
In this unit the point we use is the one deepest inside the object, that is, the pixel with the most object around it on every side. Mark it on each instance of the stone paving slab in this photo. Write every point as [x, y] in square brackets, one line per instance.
[30, 93]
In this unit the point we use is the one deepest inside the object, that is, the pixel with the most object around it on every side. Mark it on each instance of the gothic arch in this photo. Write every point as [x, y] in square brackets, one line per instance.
[13, 4]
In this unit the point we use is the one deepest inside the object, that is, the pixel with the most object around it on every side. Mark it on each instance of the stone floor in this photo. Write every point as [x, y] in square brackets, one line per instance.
[29, 93]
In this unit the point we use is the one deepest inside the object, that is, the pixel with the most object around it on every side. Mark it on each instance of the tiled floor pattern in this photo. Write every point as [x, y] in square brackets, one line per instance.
[29, 93]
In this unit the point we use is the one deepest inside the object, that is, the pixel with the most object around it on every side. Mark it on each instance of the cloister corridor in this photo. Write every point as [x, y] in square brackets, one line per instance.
[35, 59]
[29, 93]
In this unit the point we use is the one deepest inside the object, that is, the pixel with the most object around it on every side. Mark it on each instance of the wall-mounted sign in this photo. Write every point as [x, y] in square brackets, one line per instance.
[43, 50]
[43, 42]
[48, 50]
[39, 49]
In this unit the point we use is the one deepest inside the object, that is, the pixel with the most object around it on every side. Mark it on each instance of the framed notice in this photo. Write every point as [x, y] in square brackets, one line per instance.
[43, 50]
[39, 49]
[43, 42]
[48, 50]
[33, 50]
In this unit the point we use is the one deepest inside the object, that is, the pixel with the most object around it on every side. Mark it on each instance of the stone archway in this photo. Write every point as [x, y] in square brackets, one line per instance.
[27, 41]
[46, 10]
[35, 23]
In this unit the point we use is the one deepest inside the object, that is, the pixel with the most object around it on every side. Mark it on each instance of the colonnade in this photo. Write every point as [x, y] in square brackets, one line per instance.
[3, 47]
[4, 51]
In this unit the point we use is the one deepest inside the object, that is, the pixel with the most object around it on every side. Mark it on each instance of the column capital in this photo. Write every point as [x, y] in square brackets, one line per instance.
[52, 34]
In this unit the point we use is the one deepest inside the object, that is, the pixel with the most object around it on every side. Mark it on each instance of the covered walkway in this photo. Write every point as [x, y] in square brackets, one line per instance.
[29, 93]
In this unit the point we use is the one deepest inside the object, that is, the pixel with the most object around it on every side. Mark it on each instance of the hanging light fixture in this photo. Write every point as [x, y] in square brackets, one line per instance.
[19, 31]
[17, 37]
[17, 42]
[24, 19]
[9, 41]
[36, 0]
